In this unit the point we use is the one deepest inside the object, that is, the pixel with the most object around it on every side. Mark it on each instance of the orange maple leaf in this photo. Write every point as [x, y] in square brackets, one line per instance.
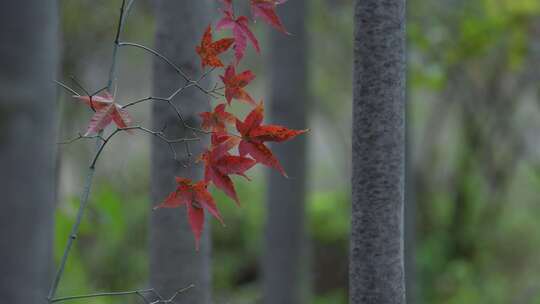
[209, 51]
[254, 134]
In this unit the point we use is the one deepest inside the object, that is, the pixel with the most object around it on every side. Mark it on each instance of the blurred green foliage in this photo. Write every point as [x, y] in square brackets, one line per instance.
[477, 205]
[111, 252]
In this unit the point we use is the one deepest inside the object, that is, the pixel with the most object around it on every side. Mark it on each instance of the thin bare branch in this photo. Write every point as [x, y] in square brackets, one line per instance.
[190, 82]
[176, 109]
[76, 81]
[129, 6]
[67, 88]
[205, 74]
[99, 91]
[74, 231]
[80, 136]
[173, 297]
[90, 176]
[158, 134]
[101, 294]
[159, 55]
[137, 102]
[140, 293]
[112, 71]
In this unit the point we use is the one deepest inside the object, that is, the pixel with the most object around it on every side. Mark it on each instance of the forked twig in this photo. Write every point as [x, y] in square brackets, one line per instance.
[140, 293]
[190, 82]
[158, 134]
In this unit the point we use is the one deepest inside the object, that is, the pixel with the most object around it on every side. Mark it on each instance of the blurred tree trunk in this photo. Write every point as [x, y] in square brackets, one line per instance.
[284, 262]
[28, 57]
[174, 263]
[376, 251]
[411, 284]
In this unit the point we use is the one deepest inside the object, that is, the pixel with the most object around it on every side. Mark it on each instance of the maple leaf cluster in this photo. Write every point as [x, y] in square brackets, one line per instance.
[229, 134]
[250, 134]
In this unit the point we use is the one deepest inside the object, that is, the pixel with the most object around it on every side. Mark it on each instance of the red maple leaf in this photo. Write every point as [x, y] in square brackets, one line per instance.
[196, 198]
[266, 10]
[217, 120]
[240, 29]
[254, 134]
[235, 83]
[219, 164]
[209, 51]
[106, 112]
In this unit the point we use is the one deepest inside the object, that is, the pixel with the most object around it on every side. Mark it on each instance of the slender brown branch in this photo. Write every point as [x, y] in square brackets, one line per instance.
[112, 71]
[74, 231]
[99, 91]
[159, 55]
[140, 293]
[212, 93]
[158, 134]
[79, 85]
[137, 102]
[172, 298]
[90, 176]
[101, 294]
[67, 88]
[176, 109]
[80, 136]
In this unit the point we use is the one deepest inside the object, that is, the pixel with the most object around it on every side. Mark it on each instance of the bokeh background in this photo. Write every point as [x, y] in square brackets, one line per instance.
[473, 234]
